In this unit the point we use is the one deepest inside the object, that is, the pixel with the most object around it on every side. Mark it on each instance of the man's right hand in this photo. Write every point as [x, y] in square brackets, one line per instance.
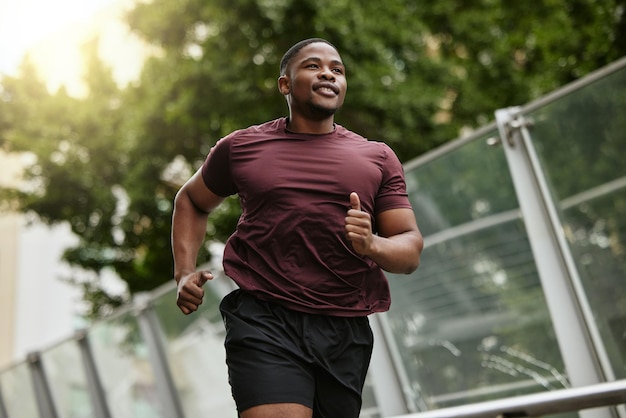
[190, 293]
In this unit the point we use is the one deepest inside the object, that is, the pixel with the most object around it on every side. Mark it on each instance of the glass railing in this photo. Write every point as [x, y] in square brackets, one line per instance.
[476, 322]
[18, 392]
[472, 323]
[581, 144]
[122, 359]
[68, 381]
[195, 351]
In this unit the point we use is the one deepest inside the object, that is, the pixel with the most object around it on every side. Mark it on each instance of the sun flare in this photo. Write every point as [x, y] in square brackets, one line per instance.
[53, 32]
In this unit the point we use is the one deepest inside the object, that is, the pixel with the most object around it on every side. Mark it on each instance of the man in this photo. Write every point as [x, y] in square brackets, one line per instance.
[324, 211]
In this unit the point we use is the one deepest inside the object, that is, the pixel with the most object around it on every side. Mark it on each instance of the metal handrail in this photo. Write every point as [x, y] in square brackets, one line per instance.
[534, 405]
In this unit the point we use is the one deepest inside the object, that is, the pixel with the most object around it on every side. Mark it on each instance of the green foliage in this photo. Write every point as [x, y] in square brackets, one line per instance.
[111, 163]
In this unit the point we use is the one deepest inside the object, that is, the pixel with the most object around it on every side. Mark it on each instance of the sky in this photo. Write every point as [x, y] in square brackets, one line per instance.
[52, 30]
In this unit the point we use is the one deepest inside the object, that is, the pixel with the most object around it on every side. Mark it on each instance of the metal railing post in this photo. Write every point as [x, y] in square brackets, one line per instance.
[566, 303]
[45, 402]
[153, 336]
[94, 384]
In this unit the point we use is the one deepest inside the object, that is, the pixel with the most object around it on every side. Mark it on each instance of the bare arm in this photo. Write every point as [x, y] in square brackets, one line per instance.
[192, 205]
[399, 243]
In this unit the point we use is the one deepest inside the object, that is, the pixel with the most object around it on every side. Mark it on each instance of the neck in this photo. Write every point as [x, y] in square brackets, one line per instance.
[308, 126]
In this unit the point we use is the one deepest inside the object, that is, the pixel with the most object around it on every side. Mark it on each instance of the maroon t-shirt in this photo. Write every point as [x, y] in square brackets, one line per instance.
[290, 246]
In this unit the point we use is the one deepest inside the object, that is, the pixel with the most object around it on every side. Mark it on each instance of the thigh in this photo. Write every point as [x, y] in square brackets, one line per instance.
[286, 410]
[333, 399]
[265, 365]
[345, 346]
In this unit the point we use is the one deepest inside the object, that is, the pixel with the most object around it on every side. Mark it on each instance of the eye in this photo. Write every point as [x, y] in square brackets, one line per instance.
[312, 65]
[338, 70]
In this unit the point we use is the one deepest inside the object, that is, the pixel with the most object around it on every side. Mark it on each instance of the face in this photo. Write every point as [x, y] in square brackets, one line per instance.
[315, 81]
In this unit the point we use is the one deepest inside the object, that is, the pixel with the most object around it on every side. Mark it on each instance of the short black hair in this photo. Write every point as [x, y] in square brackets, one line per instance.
[291, 52]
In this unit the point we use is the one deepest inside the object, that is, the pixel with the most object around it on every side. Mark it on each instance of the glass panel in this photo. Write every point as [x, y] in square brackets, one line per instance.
[18, 393]
[195, 350]
[581, 143]
[464, 186]
[67, 379]
[471, 324]
[121, 357]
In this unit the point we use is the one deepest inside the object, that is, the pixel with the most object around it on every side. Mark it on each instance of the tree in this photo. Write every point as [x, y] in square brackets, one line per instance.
[76, 172]
[111, 163]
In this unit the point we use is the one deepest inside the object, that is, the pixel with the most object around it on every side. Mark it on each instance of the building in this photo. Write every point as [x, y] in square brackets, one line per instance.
[36, 307]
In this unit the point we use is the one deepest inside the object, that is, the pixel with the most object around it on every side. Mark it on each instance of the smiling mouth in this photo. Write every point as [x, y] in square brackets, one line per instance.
[327, 88]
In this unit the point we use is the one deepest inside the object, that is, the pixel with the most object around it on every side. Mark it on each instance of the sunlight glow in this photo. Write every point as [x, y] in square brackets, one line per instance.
[25, 23]
[52, 33]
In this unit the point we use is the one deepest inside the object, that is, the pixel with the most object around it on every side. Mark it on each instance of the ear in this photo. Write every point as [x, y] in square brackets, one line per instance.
[283, 85]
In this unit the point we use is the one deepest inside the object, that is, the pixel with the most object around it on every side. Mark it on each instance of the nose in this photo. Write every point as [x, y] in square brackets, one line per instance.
[326, 73]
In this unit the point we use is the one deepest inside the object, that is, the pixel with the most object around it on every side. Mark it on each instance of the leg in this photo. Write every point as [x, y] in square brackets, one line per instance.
[344, 346]
[334, 399]
[268, 373]
[279, 410]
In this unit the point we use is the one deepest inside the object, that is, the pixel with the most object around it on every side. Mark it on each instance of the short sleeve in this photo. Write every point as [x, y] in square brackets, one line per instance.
[392, 193]
[216, 170]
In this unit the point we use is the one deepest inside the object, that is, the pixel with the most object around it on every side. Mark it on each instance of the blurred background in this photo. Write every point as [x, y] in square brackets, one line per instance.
[108, 106]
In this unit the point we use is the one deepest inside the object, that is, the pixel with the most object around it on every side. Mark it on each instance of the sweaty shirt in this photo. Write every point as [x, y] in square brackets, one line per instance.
[289, 245]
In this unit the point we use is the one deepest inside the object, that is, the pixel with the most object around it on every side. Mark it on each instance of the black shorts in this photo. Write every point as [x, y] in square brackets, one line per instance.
[276, 355]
